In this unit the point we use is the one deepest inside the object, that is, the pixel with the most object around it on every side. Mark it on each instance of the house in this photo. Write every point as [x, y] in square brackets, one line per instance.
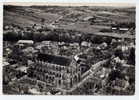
[85, 44]
[22, 69]
[25, 42]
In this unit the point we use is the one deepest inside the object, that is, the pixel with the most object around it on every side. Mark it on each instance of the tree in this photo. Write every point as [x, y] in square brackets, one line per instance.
[132, 56]
[119, 53]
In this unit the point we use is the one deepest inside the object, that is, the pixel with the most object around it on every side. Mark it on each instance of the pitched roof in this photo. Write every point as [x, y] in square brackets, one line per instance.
[26, 41]
[59, 60]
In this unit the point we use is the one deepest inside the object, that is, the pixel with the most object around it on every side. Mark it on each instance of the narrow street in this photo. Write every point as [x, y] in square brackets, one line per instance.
[89, 74]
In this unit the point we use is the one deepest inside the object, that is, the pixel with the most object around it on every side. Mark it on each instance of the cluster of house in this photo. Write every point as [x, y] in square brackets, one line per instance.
[51, 68]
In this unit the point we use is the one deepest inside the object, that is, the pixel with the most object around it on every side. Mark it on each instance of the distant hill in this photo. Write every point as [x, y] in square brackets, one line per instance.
[26, 16]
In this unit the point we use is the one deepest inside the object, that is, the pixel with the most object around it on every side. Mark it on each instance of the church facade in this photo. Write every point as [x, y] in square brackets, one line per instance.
[55, 70]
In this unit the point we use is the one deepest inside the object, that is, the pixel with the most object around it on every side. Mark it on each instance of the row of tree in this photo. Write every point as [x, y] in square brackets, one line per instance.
[56, 35]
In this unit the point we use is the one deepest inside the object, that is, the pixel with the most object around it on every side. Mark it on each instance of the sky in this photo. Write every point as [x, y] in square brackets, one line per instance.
[70, 4]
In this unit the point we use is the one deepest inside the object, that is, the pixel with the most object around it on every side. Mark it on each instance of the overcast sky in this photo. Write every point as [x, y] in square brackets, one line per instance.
[71, 4]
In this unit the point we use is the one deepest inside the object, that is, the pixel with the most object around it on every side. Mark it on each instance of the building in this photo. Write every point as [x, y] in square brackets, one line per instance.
[55, 70]
[30, 42]
[121, 27]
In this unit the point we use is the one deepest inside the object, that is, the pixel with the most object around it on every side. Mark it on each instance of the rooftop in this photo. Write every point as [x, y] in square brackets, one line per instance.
[59, 60]
[26, 41]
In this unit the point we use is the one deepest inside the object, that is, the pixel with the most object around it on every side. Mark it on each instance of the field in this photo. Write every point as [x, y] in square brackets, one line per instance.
[69, 17]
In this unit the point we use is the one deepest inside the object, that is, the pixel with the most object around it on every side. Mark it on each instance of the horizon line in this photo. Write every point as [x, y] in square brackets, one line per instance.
[69, 4]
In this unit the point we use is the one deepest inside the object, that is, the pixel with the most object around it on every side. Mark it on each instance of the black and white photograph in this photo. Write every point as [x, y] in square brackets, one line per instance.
[69, 49]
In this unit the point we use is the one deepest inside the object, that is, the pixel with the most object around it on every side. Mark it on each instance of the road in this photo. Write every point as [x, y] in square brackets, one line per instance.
[61, 17]
[89, 74]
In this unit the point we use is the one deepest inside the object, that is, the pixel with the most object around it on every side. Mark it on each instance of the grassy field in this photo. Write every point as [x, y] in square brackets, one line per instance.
[69, 17]
[27, 18]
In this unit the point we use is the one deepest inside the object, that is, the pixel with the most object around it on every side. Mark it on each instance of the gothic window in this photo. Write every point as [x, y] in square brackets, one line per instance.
[60, 68]
[59, 82]
[46, 76]
[59, 75]
[75, 79]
